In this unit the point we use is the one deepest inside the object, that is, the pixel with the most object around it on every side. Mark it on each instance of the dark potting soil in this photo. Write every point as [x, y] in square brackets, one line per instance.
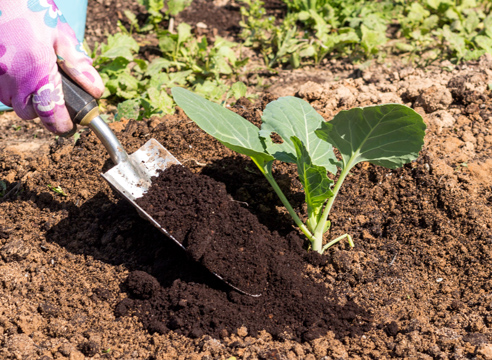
[216, 231]
[225, 237]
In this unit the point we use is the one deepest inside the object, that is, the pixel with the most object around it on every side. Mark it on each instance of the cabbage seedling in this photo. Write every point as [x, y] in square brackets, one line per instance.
[387, 135]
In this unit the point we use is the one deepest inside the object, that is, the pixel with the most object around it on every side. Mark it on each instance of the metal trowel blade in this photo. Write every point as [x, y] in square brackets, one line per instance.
[132, 178]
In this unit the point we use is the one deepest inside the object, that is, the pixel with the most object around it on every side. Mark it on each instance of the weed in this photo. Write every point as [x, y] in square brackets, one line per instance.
[140, 86]
[425, 29]
[157, 11]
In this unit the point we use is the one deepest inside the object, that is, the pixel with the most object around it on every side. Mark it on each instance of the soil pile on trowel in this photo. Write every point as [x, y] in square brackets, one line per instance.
[215, 231]
[225, 237]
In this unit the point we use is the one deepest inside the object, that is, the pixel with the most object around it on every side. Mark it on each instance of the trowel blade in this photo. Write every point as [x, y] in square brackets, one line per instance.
[132, 178]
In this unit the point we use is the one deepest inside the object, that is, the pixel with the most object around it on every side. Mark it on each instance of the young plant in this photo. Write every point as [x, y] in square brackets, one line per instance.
[158, 10]
[57, 189]
[386, 135]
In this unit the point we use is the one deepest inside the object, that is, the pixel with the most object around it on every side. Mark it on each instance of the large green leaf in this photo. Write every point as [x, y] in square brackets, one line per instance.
[387, 135]
[229, 128]
[317, 185]
[290, 116]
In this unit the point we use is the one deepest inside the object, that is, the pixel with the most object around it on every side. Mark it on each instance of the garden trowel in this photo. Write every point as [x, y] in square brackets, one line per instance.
[131, 176]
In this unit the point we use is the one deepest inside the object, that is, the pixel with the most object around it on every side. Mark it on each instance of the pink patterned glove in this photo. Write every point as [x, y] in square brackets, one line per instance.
[34, 37]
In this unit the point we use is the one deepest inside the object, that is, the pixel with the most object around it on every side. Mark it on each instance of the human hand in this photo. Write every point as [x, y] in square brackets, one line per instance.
[34, 40]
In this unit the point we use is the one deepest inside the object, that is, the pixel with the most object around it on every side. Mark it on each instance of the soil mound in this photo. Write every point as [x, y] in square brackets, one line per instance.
[225, 237]
[216, 231]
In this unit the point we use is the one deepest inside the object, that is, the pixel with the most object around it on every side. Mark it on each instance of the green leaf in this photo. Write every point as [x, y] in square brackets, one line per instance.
[128, 82]
[372, 39]
[157, 65]
[473, 54]
[290, 116]
[132, 18]
[229, 128]
[488, 25]
[417, 13]
[404, 47]
[118, 65]
[430, 23]
[386, 135]
[142, 65]
[433, 3]
[160, 100]
[167, 44]
[129, 109]
[169, 80]
[179, 77]
[485, 43]
[152, 5]
[112, 85]
[222, 66]
[317, 185]
[239, 89]
[211, 89]
[184, 32]
[58, 190]
[471, 22]
[159, 80]
[348, 36]
[220, 42]
[456, 41]
[176, 6]
[308, 51]
[119, 45]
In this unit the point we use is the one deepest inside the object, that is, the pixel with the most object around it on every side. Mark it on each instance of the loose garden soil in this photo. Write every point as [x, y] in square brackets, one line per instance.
[83, 276]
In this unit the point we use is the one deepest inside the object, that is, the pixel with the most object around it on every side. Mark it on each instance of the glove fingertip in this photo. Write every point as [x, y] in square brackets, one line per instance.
[59, 122]
[84, 75]
[97, 88]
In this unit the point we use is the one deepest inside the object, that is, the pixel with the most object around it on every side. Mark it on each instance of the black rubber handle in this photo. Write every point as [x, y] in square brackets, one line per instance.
[79, 103]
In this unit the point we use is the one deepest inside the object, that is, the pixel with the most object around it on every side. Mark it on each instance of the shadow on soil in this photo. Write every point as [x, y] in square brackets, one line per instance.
[115, 234]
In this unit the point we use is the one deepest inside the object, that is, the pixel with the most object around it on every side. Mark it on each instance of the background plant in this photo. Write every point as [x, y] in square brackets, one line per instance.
[140, 87]
[311, 30]
[157, 11]
[422, 30]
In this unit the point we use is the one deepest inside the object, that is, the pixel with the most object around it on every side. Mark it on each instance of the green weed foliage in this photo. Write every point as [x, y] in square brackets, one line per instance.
[421, 31]
[140, 86]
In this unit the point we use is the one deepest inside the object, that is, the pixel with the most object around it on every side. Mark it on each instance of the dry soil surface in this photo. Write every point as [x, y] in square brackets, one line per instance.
[418, 280]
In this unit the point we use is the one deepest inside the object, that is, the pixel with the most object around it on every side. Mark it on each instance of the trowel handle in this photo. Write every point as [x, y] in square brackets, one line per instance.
[83, 110]
[81, 106]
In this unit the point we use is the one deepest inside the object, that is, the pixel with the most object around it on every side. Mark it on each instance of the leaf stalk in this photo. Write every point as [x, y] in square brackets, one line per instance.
[266, 170]
[320, 227]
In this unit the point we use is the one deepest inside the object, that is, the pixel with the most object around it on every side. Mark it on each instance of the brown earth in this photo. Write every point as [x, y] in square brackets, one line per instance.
[418, 282]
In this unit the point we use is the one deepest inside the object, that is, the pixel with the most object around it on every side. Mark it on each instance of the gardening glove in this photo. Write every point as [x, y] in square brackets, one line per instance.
[34, 38]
